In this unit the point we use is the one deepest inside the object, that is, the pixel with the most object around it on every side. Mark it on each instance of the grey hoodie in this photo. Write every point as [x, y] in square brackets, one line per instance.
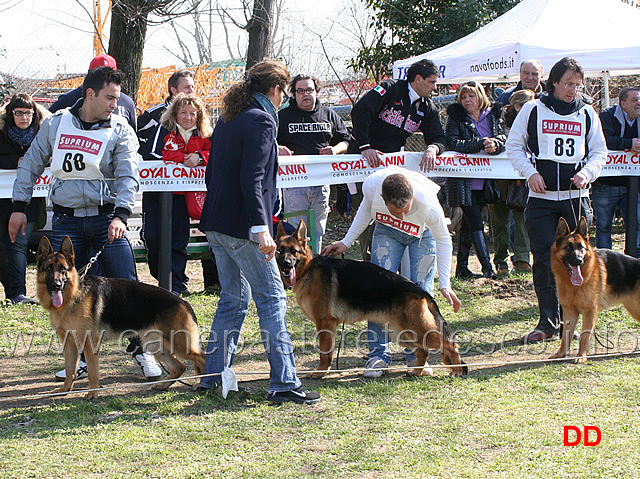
[119, 166]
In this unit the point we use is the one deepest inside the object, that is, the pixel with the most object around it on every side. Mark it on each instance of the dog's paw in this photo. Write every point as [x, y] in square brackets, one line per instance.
[91, 395]
[57, 391]
[161, 386]
[316, 374]
[458, 371]
[581, 359]
[557, 355]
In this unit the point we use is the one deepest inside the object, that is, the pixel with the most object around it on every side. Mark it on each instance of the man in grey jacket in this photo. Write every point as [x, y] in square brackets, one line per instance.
[94, 161]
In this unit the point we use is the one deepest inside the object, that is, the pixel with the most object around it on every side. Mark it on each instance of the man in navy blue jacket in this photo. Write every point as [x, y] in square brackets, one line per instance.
[126, 107]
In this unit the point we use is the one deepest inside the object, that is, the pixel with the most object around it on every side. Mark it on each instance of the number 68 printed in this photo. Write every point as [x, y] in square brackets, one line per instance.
[78, 162]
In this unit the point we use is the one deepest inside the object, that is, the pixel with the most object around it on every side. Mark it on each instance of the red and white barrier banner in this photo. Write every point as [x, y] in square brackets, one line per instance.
[306, 170]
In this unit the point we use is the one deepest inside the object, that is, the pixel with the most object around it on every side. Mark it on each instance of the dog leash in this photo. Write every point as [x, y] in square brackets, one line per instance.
[177, 380]
[576, 219]
[85, 269]
[340, 343]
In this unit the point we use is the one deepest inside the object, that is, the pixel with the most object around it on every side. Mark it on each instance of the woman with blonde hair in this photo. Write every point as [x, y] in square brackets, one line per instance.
[517, 100]
[241, 190]
[186, 129]
[473, 125]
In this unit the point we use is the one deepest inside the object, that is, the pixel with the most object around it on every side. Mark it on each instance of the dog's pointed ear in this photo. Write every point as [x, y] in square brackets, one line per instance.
[562, 231]
[280, 232]
[44, 250]
[66, 248]
[301, 232]
[583, 228]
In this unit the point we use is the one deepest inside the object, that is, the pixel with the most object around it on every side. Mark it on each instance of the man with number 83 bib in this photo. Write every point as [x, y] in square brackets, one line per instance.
[94, 161]
[557, 144]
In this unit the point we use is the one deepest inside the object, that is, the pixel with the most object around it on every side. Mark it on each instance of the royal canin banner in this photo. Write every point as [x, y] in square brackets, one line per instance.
[304, 170]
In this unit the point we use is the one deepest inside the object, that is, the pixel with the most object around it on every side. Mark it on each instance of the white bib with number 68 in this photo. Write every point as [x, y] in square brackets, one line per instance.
[77, 153]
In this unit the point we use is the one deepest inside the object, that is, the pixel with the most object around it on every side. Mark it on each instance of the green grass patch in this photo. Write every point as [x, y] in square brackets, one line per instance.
[502, 421]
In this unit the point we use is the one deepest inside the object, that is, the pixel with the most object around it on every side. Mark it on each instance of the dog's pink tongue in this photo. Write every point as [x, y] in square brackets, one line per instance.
[576, 276]
[292, 276]
[56, 298]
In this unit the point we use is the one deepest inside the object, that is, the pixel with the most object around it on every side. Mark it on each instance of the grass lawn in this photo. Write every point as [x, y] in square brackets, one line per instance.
[505, 420]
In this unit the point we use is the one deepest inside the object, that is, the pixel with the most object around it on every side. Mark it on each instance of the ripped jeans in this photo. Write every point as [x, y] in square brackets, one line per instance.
[387, 247]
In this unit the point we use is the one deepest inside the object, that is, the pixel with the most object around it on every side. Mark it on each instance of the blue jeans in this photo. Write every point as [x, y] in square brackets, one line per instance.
[244, 274]
[314, 198]
[13, 261]
[91, 232]
[387, 247]
[605, 199]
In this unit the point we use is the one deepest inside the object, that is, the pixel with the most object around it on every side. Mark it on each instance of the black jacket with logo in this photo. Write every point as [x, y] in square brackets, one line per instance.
[306, 132]
[384, 118]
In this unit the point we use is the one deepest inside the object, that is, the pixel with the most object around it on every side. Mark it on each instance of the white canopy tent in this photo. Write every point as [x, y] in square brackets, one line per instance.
[601, 34]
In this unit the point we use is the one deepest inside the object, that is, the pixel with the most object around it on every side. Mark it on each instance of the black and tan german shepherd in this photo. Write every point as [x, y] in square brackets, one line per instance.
[590, 280]
[331, 291]
[83, 312]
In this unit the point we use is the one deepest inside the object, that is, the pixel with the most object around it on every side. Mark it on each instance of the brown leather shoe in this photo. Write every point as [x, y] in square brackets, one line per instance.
[536, 336]
[522, 266]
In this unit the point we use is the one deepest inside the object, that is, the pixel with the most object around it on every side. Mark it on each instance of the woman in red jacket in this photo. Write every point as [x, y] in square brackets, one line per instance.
[186, 141]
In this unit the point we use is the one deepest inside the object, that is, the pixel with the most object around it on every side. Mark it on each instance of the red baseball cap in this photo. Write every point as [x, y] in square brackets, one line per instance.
[103, 61]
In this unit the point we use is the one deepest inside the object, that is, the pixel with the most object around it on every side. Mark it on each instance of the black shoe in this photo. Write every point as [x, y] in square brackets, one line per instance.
[489, 273]
[466, 273]
[299, 395]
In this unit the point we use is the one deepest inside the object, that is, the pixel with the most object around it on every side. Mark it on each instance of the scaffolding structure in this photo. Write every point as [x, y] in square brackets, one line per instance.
[212, 80]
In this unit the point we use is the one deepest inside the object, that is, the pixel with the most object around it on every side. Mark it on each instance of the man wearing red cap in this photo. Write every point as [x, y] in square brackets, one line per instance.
[126, 107]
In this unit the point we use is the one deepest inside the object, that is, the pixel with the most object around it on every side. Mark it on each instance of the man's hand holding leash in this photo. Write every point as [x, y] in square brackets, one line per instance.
[116, 230]
[266, 245]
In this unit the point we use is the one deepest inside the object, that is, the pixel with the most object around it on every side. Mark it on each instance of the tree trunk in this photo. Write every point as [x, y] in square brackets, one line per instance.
[259, 28]
[126, 42]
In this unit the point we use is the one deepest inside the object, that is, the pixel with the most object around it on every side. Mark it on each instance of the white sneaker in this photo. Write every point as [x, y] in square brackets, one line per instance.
[81, 373]
[148, 365]
[426, 370]
[374, 368]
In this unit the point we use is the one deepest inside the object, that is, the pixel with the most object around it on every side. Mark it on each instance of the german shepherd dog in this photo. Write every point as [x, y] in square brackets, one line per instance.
[589, 280]
[331, 291]
[85, 311]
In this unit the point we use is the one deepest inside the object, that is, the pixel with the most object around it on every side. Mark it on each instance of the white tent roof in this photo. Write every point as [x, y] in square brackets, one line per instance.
[602, 35]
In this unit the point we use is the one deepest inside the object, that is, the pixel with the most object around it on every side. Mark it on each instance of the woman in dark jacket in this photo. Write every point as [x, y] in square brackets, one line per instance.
[19, 123]
[473, 126]
[241, 187]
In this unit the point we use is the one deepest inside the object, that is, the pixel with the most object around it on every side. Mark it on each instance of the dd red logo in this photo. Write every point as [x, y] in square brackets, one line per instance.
[573, 436]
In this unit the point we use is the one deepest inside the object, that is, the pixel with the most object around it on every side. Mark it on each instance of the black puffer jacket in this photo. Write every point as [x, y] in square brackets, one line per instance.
[463, 136]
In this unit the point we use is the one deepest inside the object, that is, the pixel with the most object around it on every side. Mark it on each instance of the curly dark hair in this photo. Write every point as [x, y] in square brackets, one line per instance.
[260, 78]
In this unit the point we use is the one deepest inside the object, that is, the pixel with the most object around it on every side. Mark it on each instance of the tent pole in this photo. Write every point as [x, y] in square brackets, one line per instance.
[606, 90]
